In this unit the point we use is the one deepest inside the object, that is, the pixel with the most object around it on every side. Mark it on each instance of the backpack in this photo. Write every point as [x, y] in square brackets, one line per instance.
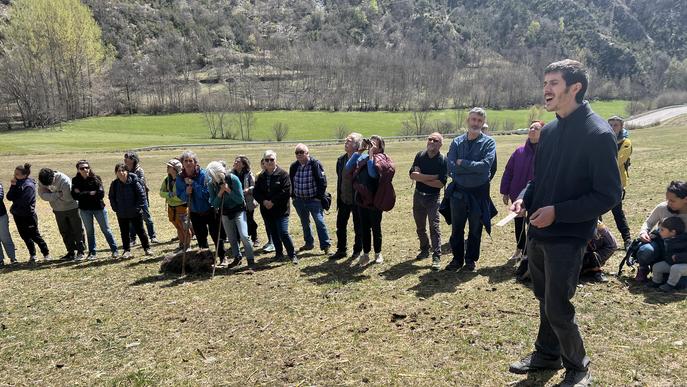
[385, 197]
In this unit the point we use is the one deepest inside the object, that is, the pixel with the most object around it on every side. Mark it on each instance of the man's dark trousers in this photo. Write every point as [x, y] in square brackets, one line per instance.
[343, 213]
[555, 269]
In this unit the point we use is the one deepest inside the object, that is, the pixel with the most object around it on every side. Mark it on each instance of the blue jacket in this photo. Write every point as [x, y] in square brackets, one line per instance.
[200, 198]
[127, 199]
[478, 156]
[23, 197]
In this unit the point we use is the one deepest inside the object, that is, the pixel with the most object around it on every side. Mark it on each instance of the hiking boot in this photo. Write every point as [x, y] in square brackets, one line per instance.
[532, 363]
[516, 255]
[422, 254]
[600, 277]
[653, 285]
[251, 268]
[642, 274]
[268, 247]
[454, 265]
[338, 255]
[436, 262]
[667, 288]
[364, 259]
[236, 262]
[68, 257]
[576, 379]
[306, 248]
[469, 265]
[378, 258]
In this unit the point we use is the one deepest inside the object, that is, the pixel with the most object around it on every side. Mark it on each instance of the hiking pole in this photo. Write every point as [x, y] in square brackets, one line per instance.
[219, 233]
[188, 227]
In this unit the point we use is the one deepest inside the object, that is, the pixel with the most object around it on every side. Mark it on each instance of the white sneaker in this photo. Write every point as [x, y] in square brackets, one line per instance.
[80, 257]
[32, 259]
[126, 255]
[91, 257]
[46, 258]
[364, 259]
[115, 254]
[379, 258]
[147, 252]
[516, 255]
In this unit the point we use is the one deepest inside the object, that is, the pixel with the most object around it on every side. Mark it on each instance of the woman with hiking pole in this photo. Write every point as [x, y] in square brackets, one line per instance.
[226, 194]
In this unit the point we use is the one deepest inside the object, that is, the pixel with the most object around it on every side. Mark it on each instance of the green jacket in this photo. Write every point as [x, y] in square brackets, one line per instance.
[169, 193]
[232, 200]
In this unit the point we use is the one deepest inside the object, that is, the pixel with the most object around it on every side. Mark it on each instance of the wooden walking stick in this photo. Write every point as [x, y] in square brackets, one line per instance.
[187, 224]
[219, 233]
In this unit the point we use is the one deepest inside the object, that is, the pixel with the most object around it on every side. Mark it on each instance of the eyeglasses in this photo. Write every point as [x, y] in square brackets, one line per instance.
[84, 168]
[300, 152]
[432, 140]
[268, 160]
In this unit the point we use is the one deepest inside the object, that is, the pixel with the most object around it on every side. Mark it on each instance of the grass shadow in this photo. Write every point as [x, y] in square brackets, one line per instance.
[498, 274]
[443, 281]
[405, 268]
[331, 271]
[146, 261]
[652, 296]
[40, 265]
[539, 378]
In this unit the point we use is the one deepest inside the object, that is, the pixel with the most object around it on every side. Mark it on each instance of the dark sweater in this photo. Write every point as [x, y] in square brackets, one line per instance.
[127, 199]
[275, 188]
[575, 170]
[436, 165]
[23, 197]
[81, 191]
[675, 246]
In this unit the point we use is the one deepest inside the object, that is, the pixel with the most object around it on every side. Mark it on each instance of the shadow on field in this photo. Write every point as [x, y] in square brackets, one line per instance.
[536, 379]
[409, 267]
[434, 282]
[333, 271]
[41, 265]
[653, 296]
[173, 280]
[498, 274]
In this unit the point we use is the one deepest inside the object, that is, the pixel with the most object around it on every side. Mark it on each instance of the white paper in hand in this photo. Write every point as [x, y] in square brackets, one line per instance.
[508, 218]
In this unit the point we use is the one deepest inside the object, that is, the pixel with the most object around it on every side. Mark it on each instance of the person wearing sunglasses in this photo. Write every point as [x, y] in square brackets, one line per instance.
[309, 184]
[429, 171]
[273, 190]
[88, 190]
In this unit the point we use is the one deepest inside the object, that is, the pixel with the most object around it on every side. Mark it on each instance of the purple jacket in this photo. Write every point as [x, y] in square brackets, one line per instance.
[519, 170]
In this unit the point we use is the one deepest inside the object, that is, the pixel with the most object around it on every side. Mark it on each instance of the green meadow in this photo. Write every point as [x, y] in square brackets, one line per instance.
[125, 132]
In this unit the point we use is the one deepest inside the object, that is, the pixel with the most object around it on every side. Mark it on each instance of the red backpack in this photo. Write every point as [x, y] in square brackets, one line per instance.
[385, 198]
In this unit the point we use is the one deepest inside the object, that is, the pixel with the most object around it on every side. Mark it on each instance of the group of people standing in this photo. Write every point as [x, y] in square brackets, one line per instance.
[568, 173]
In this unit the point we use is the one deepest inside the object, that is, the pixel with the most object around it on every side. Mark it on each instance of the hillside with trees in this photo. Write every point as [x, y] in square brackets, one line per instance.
[165, 56]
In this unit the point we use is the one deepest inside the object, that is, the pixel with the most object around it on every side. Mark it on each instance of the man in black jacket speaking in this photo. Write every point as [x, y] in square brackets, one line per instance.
[576, 179]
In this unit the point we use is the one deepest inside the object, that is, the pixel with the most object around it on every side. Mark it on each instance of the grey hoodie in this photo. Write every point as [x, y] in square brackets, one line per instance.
[59, 194]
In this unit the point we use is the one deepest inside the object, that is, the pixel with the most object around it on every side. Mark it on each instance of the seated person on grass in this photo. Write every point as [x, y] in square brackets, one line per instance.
[599, 250]
[672, 231]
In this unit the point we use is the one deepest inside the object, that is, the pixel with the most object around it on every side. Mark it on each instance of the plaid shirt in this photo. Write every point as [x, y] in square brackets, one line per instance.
[303, 183]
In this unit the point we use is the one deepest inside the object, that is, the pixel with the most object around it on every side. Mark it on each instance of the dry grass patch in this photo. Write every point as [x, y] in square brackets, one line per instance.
[321, 322]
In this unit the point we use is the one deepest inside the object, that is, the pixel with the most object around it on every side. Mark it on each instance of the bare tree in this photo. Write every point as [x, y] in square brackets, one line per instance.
[280, 131]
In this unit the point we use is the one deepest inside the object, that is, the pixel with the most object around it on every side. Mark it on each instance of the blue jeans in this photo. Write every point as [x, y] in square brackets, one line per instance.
[305, 208]
[646, 255]
[279, 230]
[6, 239]
[460, 214]
[238, 225]
[100, 216]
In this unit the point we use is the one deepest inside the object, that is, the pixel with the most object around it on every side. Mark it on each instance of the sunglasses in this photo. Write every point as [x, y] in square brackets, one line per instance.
[268, 160]
[300, 152]
[84, 168]
[432, 140]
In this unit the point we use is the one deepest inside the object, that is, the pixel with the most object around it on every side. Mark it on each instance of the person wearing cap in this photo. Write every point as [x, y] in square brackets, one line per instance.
[133, 165]
[88, 190]
[176, 207]
[624, 153]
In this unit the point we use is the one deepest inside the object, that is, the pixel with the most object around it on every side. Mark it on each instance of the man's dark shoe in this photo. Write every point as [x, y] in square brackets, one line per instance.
[600, 277]
[522, 269]
[68, 257]
[453, 266]
[279, 257]
[338, 255]
[422, 254]
[576, 379]
[531, 363]
[306, 248]
[653, 285]
[667, 288]
[469, 265]
[436, 262]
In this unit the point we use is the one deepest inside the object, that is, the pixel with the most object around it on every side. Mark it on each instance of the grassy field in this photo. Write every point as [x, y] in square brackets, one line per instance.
[321, 323]
[126, 132]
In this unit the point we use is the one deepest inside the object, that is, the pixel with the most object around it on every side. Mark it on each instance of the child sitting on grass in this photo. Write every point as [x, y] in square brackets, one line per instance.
[672, 231]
